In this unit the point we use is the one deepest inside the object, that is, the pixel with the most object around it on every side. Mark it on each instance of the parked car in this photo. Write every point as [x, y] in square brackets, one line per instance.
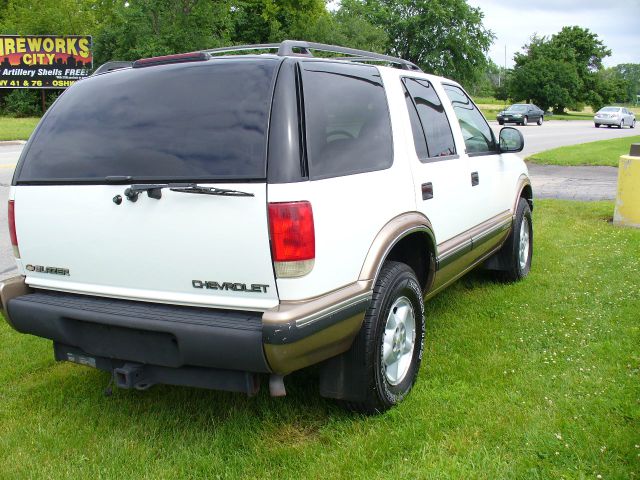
[618, 116]
[208, 220]
[522, 114]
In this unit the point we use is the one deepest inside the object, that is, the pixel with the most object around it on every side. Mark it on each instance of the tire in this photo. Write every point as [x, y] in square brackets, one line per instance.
[608, 126]
[597, 125]
[540, 120]
[525, 121]
[633, 124]
[387, 333]
[500, 122]
[621, 124]
[515, 262]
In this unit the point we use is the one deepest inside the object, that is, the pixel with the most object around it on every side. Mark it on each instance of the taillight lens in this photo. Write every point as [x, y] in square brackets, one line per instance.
[293, 240]
[12, 228]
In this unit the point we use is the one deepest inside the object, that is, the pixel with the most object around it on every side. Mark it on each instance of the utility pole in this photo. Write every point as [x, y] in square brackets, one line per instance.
[505, 58]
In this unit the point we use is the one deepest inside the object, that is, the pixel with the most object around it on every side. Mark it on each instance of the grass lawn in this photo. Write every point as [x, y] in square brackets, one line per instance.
[17, 128]
[602, 152]
[490, 107]
[534, 380]
[490, 111]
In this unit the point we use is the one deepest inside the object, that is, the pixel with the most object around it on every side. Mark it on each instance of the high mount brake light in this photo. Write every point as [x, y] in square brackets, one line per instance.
[12, 228]
[168, 59]
[293, 241]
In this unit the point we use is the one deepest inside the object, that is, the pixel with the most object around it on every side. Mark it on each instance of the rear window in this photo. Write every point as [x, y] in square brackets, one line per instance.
[348, 129]
[197, 121]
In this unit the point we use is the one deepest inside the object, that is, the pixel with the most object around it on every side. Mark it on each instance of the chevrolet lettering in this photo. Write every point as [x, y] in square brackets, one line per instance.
[353, 186]
[236, 287]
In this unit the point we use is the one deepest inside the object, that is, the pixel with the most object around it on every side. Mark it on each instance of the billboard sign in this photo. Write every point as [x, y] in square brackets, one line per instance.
[44, 61]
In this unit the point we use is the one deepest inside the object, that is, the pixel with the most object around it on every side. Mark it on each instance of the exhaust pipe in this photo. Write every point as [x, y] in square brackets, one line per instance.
[276, 386]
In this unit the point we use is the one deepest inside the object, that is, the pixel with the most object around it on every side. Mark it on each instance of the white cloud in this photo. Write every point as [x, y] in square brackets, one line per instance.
[514, 22]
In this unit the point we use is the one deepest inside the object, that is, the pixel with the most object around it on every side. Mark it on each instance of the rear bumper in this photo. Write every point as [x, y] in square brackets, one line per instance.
[607, 121]
[287, 338]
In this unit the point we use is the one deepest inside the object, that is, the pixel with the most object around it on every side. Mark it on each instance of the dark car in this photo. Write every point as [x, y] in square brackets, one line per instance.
[521, 113]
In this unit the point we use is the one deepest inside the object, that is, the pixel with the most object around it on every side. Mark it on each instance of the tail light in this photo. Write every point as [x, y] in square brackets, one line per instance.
[293, 239]
[12, 228]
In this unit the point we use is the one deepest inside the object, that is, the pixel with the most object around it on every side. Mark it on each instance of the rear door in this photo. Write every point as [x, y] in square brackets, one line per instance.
[202, 122]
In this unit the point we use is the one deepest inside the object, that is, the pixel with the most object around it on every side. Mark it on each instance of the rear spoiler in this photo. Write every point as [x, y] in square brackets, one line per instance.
[110, 66]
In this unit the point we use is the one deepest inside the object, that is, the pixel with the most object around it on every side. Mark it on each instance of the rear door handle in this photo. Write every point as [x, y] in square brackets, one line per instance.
[475, 179]
[427, 191]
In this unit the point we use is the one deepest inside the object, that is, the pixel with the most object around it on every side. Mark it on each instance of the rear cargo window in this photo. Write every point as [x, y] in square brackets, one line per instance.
[192, 121]
[347, 119]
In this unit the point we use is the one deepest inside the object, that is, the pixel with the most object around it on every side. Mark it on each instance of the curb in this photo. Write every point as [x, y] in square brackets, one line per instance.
[12, 142]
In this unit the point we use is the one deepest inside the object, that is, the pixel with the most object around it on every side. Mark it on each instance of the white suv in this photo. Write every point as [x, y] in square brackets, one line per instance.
[205, 219]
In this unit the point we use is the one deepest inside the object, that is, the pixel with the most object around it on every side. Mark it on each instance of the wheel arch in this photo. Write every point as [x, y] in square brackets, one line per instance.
[524, 191]
[399, 240]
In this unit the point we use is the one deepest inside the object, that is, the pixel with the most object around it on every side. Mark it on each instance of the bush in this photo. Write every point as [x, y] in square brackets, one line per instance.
[25, 103]
[21, 103]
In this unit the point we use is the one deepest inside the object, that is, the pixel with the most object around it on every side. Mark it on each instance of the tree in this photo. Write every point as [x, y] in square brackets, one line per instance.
[42, 17]
[488, 82]
[444, 37]
[629, 75]
[264, 21]
[144, 28]
[561, 71]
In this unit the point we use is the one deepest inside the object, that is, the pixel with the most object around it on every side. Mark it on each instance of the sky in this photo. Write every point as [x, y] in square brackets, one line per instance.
[616, 22]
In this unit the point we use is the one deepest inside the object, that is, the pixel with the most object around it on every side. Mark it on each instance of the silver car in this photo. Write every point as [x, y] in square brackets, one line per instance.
[618, 116]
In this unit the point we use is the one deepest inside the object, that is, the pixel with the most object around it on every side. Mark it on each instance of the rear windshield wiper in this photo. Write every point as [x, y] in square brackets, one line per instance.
[195, 188]
[155, 190]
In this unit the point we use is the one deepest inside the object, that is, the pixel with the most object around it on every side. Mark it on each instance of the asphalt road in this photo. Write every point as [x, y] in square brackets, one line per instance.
[548, 181]
[558, 133]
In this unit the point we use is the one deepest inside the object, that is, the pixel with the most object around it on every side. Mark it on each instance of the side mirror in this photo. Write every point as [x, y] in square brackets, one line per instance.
[511, 140]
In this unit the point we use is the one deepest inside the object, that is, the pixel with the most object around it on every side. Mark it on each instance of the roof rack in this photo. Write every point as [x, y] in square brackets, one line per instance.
[110, 66]
[298, 48]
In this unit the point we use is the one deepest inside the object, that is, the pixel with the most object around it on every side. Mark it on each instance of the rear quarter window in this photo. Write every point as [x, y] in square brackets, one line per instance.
[348, 129]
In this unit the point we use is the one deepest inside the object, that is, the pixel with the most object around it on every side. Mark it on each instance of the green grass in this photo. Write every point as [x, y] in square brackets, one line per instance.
[490, 106]
[602, 152]
[489, 101]
[535, 380]
[490, 112]
[571, 116]
[17, 128]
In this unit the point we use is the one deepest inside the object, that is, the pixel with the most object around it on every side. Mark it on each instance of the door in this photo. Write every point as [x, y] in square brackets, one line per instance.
[491, 196]
[442, 177]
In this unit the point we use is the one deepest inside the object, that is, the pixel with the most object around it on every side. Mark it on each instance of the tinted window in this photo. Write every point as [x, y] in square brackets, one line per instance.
[477, 134]
[432, 118]
[203, 120]
[416, 127]
[347, 120]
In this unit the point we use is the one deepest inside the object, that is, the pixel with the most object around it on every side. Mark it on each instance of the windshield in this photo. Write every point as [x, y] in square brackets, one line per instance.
[196, 121]
[610, 109]
[517, 108]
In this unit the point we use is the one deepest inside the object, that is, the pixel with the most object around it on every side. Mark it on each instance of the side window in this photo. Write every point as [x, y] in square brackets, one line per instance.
[416, 128]
[348, 129]
[433, 122]
[477, 134]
